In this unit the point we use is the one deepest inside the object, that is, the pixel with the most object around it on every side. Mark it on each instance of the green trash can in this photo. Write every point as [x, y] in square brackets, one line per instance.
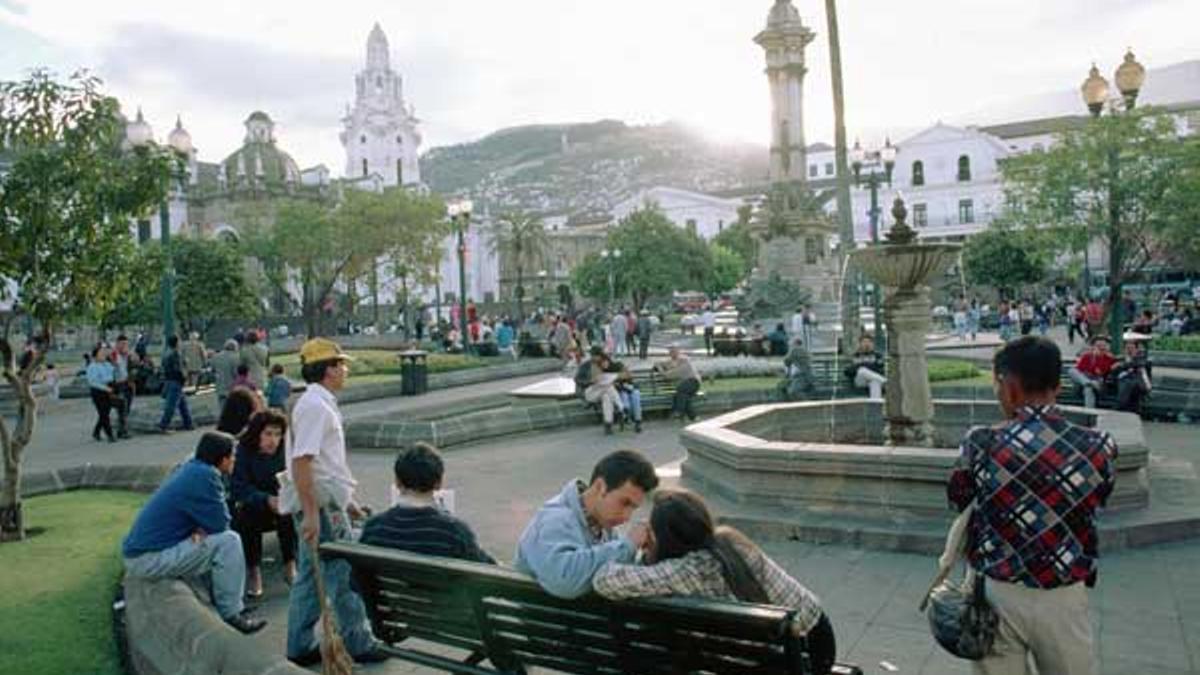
[414, 373]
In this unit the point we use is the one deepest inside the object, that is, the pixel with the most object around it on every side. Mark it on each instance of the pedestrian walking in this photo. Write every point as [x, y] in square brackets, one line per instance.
[122, 385]
[194, 359]
[255, 357]
[173, 395]
[100, 386]
[644, 328]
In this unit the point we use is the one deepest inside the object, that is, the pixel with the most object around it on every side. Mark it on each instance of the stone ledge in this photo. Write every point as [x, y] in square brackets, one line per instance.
[171, 631]
[132, 477]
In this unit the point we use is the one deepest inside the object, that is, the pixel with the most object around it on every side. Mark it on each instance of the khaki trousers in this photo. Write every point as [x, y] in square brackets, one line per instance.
[1052, 626]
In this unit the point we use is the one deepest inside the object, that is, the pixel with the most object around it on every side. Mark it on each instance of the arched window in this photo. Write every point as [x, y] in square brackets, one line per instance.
[918, 173]
[364, 164]
[964, 169]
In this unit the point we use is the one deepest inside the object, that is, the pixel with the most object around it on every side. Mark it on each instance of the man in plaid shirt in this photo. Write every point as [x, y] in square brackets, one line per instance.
[1037, 481]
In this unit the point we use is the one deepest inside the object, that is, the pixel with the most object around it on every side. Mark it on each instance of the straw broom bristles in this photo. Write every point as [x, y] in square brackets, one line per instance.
[335, 660]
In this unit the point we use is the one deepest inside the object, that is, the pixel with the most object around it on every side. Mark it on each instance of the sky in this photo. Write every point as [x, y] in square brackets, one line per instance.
[474, 66]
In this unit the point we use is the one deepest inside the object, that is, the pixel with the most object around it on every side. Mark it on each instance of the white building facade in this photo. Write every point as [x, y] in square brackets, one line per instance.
[703, 214]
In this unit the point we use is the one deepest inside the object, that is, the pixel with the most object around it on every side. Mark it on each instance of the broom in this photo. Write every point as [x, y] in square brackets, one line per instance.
[335, 660]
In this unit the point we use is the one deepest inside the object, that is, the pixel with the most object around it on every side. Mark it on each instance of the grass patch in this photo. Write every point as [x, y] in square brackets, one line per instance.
[57, 587]
[385, 362]
[741, 384]
[942, 372]
[945, 370]
[1173, 343]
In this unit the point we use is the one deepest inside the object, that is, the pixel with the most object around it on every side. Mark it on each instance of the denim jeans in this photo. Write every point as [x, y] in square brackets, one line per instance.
[304, 608]
[219, 555]
[173, 398]
[631, 401]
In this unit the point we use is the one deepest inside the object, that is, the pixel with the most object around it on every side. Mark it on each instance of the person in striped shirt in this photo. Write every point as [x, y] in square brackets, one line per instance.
[416, 524]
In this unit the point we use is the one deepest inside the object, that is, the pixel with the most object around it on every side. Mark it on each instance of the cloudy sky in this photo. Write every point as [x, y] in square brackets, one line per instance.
[473, 66]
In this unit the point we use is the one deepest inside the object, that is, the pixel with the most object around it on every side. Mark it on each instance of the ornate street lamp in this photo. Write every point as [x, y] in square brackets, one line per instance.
[612, 257]
[460, 214]
[1129, 78]
[874, 167]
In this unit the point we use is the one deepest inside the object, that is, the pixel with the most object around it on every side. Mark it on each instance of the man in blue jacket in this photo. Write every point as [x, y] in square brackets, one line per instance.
[183, 531]
[571, 536]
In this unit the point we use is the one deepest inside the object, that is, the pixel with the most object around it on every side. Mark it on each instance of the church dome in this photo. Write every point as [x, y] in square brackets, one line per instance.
[260, 159]
[179, 138]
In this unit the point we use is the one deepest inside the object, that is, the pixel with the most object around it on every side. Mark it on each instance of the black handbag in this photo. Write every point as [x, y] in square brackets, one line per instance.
[961, 619]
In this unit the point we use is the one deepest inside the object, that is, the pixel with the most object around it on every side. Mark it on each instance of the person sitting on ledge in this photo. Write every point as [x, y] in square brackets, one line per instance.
[778, 339]
[255, 492]
[1092, 368]
[797, 382]
[183, 531]
[417, 523]
[679, 368]
[593, 386]
[687, 555]
[571, 536]
[866, 368]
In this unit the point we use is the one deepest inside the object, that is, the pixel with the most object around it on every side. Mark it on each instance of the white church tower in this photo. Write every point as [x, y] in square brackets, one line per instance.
[380, 132]
[784, 40]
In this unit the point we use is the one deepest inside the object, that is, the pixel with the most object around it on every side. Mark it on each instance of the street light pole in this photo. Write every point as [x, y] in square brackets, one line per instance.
[879, 165]
[1130, 77]
[460, 213]
[612, 257]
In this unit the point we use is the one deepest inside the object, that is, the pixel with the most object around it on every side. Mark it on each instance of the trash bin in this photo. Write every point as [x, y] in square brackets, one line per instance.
[414, 373]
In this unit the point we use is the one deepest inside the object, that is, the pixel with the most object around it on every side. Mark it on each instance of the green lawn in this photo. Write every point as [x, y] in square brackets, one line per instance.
[942, 373]
[56, 588]
[383, 362]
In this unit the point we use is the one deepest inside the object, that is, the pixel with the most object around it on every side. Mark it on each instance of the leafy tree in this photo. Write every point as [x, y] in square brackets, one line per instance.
[1125, 180]
[521, 239]
[1007, 258]
[772, 297]
[66, 204]
[738, 239]
[211, 283]
[725, 270]
[656, 256]
[845, 215]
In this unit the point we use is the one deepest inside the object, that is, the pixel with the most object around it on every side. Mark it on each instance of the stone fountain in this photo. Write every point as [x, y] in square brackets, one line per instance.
[904, 267]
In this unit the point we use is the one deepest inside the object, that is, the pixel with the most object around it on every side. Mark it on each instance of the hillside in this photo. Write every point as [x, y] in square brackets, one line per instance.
[576, 168]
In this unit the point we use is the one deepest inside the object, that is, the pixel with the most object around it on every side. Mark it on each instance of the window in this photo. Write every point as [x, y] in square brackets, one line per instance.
[364, 167]
[813, 170]
[966, 211]
[964, 169]
[363, 139]
[921, 215]
[720, 226]
[811, 250]
[828, 168]
[918, 173]
[399, 140]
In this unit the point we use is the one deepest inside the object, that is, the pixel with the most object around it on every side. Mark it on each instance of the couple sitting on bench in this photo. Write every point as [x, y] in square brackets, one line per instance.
[609, 383]
[570, 548]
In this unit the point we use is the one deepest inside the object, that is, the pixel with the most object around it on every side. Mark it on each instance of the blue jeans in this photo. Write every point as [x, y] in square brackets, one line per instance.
[304, 608]
[219, 555]
[631, 401]
[174, 398]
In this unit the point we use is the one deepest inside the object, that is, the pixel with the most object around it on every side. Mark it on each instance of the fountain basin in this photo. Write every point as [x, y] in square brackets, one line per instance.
[830, 458]
[905, 265]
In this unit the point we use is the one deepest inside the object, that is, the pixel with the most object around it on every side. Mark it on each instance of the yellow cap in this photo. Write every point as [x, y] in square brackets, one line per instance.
[322, 349]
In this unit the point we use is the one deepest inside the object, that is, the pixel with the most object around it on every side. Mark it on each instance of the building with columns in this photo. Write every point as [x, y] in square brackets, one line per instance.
[784, 40]
[379, 131]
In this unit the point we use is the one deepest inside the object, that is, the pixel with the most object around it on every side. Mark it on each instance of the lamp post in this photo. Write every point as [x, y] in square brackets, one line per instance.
[1129, 77]
[874, 167]
[460, 215]
[139, 135]
[542, 274]
[612, 257]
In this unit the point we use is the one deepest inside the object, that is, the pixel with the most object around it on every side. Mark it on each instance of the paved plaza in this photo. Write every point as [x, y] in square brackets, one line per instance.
[1146, 608]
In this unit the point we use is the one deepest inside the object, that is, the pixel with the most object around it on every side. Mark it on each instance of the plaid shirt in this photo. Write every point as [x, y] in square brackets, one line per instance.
[1037, 481]
[699, 573]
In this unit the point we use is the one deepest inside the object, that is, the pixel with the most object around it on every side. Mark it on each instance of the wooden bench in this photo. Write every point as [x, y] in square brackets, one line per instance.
[488, 619]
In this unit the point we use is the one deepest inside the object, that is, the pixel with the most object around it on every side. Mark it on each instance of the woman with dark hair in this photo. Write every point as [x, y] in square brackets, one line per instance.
[100, 385]
[240, 405]
[255, 496]
[687, 555]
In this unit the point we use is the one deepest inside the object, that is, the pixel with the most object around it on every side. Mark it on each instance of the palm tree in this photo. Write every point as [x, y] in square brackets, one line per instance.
[850, 314]
[521, 240]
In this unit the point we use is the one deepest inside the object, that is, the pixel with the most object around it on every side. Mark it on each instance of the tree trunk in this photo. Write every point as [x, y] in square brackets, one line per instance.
[851, 317]
[13, 442]
[520, 293]
[374, 280]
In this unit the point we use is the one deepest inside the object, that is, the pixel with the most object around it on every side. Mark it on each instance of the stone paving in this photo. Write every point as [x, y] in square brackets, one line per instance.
[1146, 609]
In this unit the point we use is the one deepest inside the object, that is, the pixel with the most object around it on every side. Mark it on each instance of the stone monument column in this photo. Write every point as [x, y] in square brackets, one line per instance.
[908, 397]
[783, 42]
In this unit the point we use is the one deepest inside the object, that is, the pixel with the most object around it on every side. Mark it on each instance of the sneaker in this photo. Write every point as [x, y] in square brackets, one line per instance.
[246, 624]
[309, 658]
[373, 655]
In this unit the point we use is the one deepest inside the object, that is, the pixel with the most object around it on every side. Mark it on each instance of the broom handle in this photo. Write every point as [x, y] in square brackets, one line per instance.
[315, 554]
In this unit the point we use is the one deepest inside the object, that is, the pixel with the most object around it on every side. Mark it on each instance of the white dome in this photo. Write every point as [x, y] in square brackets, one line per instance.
[138, 132]
[179, 138]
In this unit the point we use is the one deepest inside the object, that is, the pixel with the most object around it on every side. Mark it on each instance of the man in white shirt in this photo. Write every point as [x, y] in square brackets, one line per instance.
[320, 496]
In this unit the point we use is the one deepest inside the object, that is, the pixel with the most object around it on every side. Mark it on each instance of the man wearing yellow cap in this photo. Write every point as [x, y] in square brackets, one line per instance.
[320, 495]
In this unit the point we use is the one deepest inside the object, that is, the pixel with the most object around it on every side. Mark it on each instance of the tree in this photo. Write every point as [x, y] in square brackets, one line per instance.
[738, 239]
[725, 270]
[66, 204]
[850, 312]
[211, 283]
[1125, 180]
[657, 257]
[1007, 258]
[316, 244]
[520, 239]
